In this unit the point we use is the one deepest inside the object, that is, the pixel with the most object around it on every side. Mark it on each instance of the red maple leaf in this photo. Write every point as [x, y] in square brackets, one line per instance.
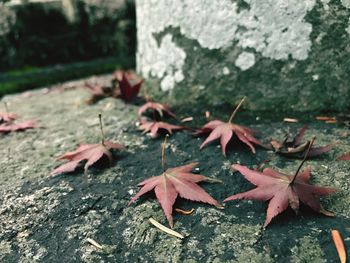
[129, 86]
[98, 92]
[7, 116]
[153, 127]
[173, 182]
[156, 107]
[14, 127]
[90, 153]
[282, 190]
[225, 130]
[297, 148]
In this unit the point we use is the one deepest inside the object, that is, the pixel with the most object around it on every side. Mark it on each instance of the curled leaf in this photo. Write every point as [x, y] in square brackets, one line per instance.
[297, 148]
[184, 212]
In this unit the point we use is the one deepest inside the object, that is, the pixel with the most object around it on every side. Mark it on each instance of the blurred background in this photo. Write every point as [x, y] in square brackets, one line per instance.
[44, 42]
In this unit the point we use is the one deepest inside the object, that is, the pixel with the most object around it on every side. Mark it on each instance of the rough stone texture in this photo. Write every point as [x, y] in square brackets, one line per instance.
[45, 219]
[286, 55]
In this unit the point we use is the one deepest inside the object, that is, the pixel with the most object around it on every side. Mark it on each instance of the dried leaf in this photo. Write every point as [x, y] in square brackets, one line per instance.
[339, 245]
[165, 229]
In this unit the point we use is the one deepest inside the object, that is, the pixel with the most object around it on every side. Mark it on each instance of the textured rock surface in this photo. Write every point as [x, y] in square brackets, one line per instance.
[290, 55]
[46, 219]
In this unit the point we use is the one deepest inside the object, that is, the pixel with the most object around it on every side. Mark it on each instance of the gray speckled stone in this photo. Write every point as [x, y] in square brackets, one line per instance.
[48, 219]
[285, 55]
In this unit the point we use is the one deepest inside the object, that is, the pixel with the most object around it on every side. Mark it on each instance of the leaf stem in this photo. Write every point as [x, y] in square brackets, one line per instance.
[303, 161]
[163, 152]
[236, 109]
[6, 108]
[101, 128]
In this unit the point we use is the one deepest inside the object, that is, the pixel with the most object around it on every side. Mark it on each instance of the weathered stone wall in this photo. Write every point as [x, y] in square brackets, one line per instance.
[282, 54]
[43, 33]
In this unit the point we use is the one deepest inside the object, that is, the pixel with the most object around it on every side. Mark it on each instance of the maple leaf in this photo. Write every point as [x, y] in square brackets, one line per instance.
[156, 107]
[129, 86]
[7, 116]
[14, 127]
[174, 182]
[153, 127]
[344, 157]
[282, 190]
[297, 148]
[225, 131]
[91, 153]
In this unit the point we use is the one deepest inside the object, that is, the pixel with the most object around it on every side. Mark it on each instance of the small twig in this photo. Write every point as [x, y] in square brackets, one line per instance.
[236, 109]
[303, 161]
[6, 108]
[184, 212]
[94, 243]
[163, 152]
[165, 229]
[101, 127]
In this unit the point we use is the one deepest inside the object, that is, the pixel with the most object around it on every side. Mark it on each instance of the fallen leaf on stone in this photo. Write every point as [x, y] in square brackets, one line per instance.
[153, 127]
[225, 131]
[165, 229]
[174, 182]
[339, 245]
[90, 153]
[184, 212]
[282, 190]
[129, 87]
[296, 147]
[157, 108]
[344, 157]
[7, 116]
[14, 127]
[98, 92]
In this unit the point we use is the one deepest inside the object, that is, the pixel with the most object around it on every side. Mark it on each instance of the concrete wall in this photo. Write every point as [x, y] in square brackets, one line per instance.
[282, 54]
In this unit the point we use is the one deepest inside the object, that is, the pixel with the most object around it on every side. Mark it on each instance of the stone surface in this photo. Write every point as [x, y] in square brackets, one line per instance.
[48, 219]
[285, 55]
